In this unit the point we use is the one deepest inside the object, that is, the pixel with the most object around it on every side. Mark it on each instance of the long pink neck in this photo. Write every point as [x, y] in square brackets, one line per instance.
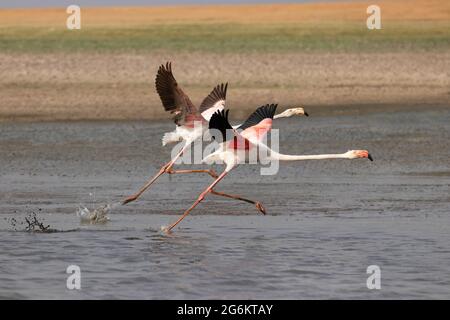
[288, 157]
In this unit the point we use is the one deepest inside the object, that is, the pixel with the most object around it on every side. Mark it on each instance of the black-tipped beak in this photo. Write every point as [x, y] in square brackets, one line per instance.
[370, 157]
[306, 114]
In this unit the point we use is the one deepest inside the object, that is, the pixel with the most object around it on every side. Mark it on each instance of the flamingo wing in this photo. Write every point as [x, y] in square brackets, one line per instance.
[215, 101]
[230, 137]
[173, 98]
[219, 121]
[258, 123]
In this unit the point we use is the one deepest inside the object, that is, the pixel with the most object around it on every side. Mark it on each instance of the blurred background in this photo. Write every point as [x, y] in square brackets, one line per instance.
[313, 53]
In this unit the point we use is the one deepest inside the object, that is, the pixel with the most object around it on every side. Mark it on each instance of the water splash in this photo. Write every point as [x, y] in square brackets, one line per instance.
[165, 230]
[98, 215]
[34, 225]
[31, 223]
[95, 216]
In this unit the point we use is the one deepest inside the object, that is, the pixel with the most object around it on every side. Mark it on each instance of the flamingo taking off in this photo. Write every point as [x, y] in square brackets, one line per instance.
[190, 122]
[235, 150]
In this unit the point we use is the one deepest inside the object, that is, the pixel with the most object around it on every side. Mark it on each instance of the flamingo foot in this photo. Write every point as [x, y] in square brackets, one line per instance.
[129, 199]
[166, 229]
[260, 207]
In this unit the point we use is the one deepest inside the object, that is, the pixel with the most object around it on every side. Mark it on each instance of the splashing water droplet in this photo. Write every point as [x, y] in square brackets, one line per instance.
[165, 229]
[98, 215]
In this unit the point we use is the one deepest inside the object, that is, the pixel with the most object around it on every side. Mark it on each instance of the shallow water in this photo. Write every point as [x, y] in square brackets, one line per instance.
[327, 220]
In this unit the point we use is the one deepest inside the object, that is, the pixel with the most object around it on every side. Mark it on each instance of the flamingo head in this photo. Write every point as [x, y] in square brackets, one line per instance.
[299, 111]
[355, 154]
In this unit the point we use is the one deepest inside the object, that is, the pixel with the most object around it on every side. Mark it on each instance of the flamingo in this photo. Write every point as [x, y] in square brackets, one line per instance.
[187, 119]
[235, 150]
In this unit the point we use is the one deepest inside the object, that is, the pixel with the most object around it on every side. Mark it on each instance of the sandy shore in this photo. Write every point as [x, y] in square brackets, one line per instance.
[59, 86]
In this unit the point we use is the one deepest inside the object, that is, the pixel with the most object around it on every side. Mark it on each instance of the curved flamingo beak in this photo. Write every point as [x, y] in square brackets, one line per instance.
[303, 111]
[355, 154]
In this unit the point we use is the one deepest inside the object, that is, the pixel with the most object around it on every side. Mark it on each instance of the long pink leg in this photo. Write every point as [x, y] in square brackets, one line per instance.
[146, 186]
[213, 174]
[199, 199]
[258, 204]
[165, 168]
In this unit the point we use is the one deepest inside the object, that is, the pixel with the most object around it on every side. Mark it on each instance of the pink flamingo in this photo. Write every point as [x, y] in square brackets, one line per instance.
[235, 150]
[190, 122]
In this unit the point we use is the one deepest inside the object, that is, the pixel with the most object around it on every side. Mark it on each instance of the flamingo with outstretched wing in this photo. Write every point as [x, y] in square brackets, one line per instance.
[234, 149]
[190, 122]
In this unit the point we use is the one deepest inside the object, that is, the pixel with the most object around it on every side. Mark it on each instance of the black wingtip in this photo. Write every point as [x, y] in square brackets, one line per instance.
[166, 67]
[219, 121]
[306, 114]
[370, 157]
[222, 90]
[263, 112]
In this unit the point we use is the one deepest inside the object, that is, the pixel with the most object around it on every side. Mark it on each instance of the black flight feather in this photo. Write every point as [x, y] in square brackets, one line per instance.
[219, 121]
[219, 93]
[267, 111]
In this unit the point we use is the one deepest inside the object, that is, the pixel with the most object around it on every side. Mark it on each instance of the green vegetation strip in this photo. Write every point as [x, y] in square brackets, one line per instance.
[234, 38]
